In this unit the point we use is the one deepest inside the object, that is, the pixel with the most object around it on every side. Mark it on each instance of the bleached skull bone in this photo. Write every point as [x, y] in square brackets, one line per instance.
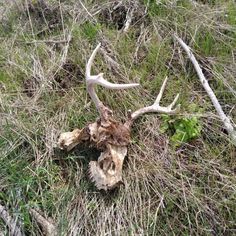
[107, 171]
[111, 139]
[68, 140]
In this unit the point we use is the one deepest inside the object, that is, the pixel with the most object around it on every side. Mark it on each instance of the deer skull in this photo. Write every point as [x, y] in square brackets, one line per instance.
[106, 134]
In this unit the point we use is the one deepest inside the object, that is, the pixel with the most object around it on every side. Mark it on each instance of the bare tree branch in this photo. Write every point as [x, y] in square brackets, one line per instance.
[226, 121]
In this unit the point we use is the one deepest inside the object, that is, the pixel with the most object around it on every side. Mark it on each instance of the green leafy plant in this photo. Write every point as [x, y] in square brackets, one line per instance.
[181, 129]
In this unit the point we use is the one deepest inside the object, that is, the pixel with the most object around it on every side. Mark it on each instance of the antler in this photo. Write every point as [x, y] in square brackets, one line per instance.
[108, 135]
[156, 106]
[92, 80]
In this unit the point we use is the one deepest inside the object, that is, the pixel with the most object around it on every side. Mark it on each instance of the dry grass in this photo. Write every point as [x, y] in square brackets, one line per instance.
[168, 190]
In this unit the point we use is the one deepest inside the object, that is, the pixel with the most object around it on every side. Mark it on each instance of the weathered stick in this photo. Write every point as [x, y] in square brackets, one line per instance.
[48, 227]
[14, 229]
[226, 121]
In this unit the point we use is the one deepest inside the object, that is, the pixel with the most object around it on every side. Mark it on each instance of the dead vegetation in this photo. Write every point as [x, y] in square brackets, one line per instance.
[121, 14]
[46, 17]
[171, 184]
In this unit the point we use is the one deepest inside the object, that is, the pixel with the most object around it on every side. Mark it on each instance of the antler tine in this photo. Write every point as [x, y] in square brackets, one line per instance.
[92, 80]
[159, 96]
[156, 106]
[174, 102]
[90, 61]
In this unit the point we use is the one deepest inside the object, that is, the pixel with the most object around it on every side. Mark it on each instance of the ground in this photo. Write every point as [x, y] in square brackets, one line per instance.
[179, 175]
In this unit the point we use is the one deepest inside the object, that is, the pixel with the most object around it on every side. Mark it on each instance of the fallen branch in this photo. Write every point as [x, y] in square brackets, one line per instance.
[47, 225]
[226, 121]
[14, 229]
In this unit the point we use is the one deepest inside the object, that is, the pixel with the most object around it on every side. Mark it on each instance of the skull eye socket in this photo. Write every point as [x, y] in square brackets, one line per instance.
[101, 165]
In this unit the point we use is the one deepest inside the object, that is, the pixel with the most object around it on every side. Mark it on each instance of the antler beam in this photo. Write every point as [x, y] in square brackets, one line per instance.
[156, 106]
[92, 80]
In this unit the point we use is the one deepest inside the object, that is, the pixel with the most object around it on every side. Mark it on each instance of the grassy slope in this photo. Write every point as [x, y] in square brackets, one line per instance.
[185, 190]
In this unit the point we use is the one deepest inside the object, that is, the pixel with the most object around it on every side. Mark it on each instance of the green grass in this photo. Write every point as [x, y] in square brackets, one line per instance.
[184, 189]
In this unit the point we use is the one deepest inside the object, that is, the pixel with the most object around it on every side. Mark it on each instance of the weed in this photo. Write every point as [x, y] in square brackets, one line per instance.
[182, 129]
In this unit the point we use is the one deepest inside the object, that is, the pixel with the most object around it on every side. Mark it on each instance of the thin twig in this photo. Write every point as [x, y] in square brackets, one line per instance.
[46, 41]
[129, 16]
[141, 38]
[226, 121]
[14, 229]
[94, 19]
[113, 64]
